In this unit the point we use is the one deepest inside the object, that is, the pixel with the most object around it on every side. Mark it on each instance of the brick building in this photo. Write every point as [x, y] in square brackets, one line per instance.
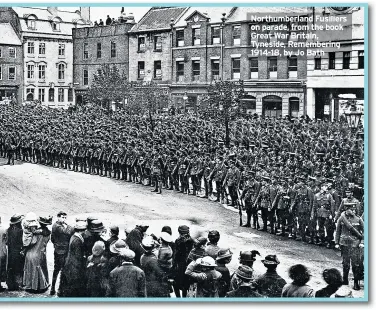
[215, 43]
[11, 57]
[150, 45]
[48, 53]
[96, 46]
[337, 75]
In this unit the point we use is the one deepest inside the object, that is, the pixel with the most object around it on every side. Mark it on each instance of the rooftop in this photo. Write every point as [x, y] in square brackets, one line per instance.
[8, 35]
[158, 18]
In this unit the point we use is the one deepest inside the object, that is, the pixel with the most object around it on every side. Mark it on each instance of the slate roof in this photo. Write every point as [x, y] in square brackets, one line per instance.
[214, 13]
[158, 18]
[241, 13]
[8, 35]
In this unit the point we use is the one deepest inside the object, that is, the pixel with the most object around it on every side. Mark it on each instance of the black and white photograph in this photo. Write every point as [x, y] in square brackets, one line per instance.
[183, 153]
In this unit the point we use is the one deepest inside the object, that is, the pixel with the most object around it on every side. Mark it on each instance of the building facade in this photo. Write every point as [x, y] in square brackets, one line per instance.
[11, 57]
[216, 43]
[150, 45]
[94, 47]
[338, 75]
[48, 53]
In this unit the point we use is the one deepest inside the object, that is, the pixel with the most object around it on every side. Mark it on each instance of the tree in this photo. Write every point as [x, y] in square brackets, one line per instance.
[147, 98]
[109, 85]
[223, 99]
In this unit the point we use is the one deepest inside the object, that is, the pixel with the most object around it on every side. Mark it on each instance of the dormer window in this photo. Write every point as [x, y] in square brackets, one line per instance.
[31, 22]
[55, 26]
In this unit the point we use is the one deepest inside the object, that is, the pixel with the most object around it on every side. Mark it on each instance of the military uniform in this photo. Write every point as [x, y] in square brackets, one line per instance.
[232, 180]
[250, 193]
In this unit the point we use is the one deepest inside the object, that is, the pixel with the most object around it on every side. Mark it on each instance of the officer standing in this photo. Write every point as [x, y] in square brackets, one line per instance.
[349, 238]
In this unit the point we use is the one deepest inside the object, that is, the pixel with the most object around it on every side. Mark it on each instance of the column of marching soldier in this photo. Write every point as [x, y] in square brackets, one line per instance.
[296, 174]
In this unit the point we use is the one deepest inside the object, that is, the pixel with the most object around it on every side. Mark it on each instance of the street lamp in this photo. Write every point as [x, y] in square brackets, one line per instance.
[353, 117]
[185, 98]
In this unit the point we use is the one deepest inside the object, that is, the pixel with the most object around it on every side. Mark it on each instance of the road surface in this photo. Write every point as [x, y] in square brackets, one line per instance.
[27, 187]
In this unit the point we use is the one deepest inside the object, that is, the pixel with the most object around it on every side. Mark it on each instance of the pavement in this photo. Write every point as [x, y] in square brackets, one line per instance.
[27, 187]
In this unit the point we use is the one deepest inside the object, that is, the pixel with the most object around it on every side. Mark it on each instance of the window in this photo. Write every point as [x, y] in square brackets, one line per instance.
[99, 50]
[30, 71]
[11, 73]
[42, 48]
[61, 49]
[86, 77]
[318, 63]
[157, 69]
[180, 71]
[196, 36]
[1, 72]
[248, 104]
[42, 72]
[41, 94]
[360, 59]
[272, 67]
[12, 52]
[61, 71]
[293, 67]
[70, 94]
[294, 107]
[55, 26]
[236, 35]
[60, 95]
[253, 68]
[113, 49]
[216, 35]
[215, 69]
[180, 37]
[141, 69]
[141, 44]
[157, 43]
[51, 95]
[346, 60]
[235, 68]
[30, 94]
[86, 51]
[31, 23]
[332, 60]
[196, 70]
[30, 47]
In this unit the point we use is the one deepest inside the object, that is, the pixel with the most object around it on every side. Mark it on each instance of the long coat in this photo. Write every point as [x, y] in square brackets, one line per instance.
[15, 262]
[73, 281]
[156, 277]
[35, 269]
[134, 240]
[183, 247]
[127, 280]
[3, 253]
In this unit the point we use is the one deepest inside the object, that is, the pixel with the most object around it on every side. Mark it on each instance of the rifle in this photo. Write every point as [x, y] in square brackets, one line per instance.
[186, 171]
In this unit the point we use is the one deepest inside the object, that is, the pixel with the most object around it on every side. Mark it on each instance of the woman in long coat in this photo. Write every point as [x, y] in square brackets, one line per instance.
[15, 261]
[73, 282]
[35, 270]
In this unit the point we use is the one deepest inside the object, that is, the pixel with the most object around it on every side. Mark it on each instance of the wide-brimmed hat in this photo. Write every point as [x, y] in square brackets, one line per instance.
[114, 229]
[117, 246]
[270, 260]
[98, 248]
[61, 213]
[223, 253]
[45, 220]
[343, 292]
[166, 237]
[16, 218]
[183, 229]
[96, 226]
[206, 261]
[244, 272]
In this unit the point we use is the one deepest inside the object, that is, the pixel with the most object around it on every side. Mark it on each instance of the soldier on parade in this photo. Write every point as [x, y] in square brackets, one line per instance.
[283, 202]
[349, 198]
[232, 180]
[156, 169]
[323, 210]
[250, 193]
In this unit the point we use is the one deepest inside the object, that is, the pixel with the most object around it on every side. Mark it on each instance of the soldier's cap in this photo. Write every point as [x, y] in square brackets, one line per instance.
[265, 177]
[312, 178]
[61, 213]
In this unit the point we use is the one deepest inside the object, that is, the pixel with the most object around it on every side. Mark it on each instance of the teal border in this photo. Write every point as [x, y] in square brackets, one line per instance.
[243, 300]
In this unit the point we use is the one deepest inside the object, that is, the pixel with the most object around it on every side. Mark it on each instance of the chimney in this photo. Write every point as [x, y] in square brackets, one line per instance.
[85, 13]
[52, 9]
